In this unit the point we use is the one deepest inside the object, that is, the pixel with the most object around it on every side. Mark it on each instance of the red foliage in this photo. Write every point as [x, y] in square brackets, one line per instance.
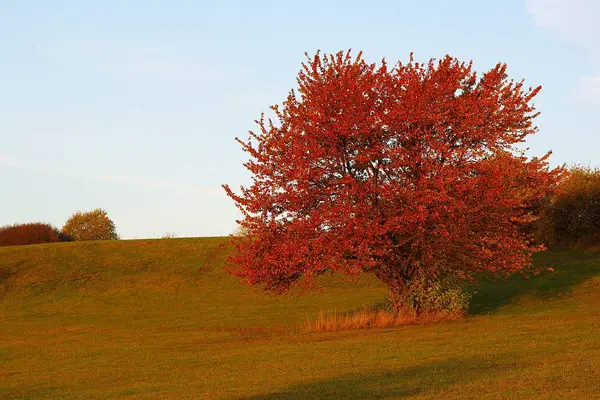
[31, 233]
[392, 171]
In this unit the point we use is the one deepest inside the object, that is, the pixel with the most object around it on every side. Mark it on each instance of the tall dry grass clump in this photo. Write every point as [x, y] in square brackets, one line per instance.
[375, 318]
[426, 300]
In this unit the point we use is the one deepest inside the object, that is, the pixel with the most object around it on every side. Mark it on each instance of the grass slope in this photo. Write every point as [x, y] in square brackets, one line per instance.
[160, 319]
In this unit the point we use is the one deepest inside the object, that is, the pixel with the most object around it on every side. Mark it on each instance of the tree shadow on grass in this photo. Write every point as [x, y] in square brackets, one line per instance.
[7, 271]
[431, 377]
[571, 267]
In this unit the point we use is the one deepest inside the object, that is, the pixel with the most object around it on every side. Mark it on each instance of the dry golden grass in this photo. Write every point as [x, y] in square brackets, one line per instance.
[370, 318]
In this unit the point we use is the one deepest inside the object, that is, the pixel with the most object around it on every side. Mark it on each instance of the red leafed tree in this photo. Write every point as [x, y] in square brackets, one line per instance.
[395, 171]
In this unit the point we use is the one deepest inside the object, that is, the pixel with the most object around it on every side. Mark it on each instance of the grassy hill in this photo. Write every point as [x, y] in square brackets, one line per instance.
[160, 319]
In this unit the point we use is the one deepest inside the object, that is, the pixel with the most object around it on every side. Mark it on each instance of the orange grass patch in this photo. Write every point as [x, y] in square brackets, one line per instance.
[368, 318]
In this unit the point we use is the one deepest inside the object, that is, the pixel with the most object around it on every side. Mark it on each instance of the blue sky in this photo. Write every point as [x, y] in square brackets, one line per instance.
[132, 106]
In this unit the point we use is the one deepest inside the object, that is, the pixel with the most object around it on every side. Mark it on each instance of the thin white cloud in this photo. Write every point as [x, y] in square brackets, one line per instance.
[11, 162]
[578, 22]
[592, 86]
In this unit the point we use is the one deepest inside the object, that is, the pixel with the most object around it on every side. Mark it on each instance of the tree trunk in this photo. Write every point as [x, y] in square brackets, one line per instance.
[397, 287]
[396, 296]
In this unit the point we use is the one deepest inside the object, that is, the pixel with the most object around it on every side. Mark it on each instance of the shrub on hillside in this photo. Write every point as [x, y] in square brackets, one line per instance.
[436, 296]
[572, 215]
[30, 233]
[240, 231]
[432, 296]
[91, 225]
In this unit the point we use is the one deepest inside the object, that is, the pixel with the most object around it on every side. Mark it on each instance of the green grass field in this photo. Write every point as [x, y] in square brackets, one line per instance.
[159, 319]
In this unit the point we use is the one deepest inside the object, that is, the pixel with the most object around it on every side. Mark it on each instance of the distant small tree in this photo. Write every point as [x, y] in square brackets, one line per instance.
[91, 225]
[30, 233]
[572, 215]
[241, 230]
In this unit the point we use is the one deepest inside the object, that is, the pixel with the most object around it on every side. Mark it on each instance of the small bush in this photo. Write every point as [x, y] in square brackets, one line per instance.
[436, 296]
[91, 225]
[572, 215]
[431, 296]
[30, 233]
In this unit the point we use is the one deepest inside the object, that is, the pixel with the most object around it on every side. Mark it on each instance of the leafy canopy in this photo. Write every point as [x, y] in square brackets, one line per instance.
[572, 215]
[91, 225]
[30, 233]
[399, 171]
